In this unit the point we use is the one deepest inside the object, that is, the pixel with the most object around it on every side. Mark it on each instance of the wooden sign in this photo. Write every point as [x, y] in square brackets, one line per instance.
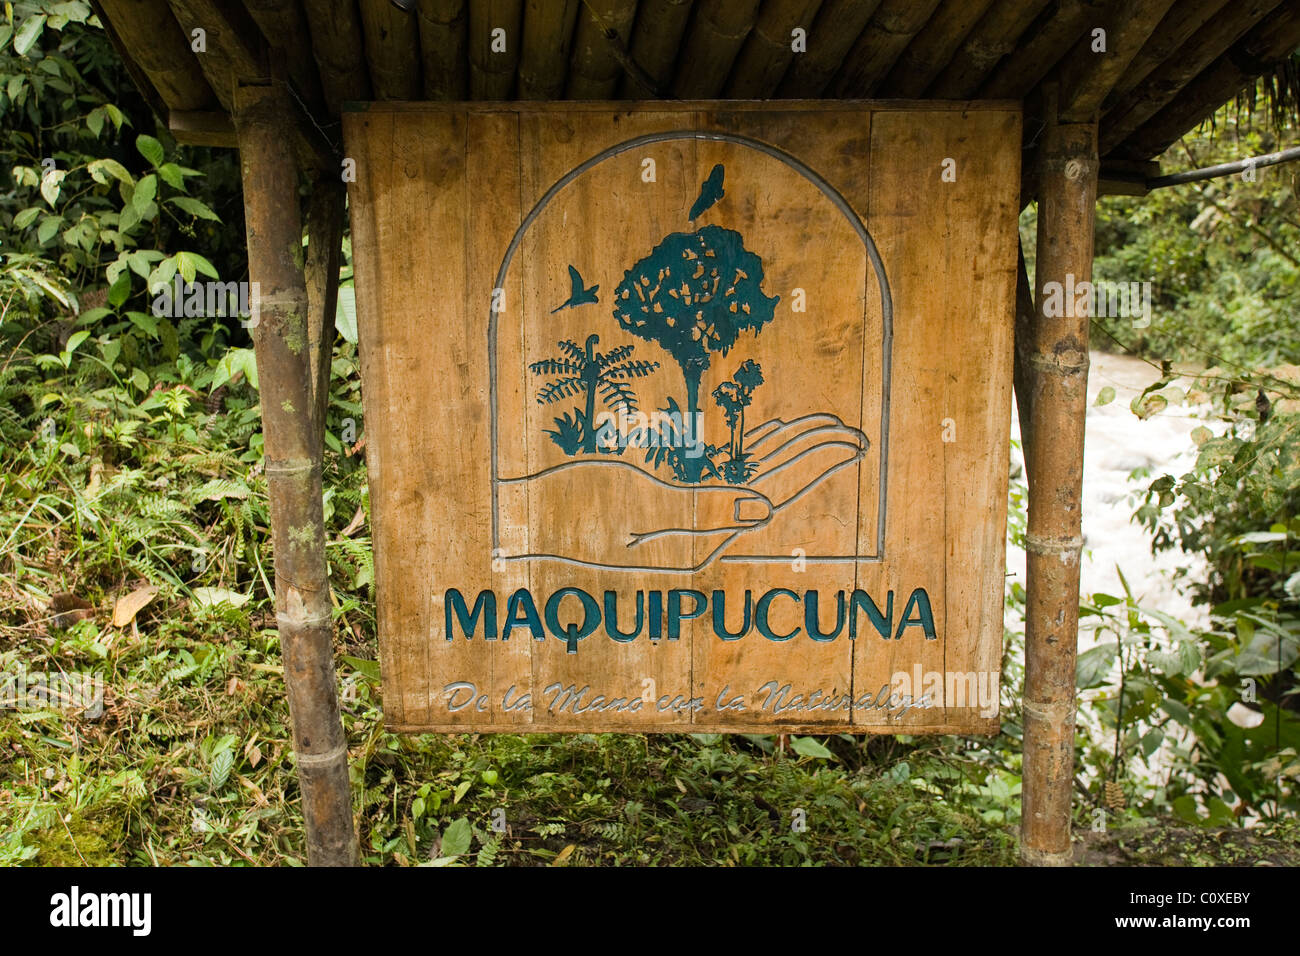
[687, 416]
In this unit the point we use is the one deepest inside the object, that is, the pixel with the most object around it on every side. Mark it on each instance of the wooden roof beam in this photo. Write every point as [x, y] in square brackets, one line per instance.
[335, 26]
[1050, 38]
[933, 49]
[888, 33]
[492, 71]
[1186, 17]
[838, 24]
[392, 38]
[717, 32]
[767, 53]
[599, 48]
[993, 38]
[548, 37]
[235, 49]
[1192, 58]
[284, 27]
[1270, 42]
[157, 53]
[444, 45]
[1086, 75]
[656, 37]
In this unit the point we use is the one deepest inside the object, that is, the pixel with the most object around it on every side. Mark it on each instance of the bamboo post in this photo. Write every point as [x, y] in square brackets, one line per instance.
[1057, 380]
[291, 390]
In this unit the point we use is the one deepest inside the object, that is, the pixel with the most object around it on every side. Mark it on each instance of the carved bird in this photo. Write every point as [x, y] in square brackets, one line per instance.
[710, 192]
[578, 295]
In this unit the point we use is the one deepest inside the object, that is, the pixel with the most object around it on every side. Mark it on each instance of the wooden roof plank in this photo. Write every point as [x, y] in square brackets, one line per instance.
[933, 48]
[838, 24]
[716, 35]
[284, 27]
[234, 44]
[335, 27]
[1058, 28]
[492, 71]
[153, 42]
[392, 39]
[768, 51]
[444, 49]
[655, 40]
[1186, 17]
[1267, 44]
[993, 38]
[595, 68]
[1193, 57]
[1086, 75]
[889, 31]
[548, 36]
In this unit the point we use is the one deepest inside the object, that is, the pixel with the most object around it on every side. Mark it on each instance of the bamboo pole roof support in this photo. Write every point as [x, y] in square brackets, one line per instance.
[493, 55]
[655, 41]
[290, 327]
[887, 34]
[718, 31]
[993, 38]
[335, 28]
[147, 34]
[1205, 46]
[934, 47]
[1173, 31]
[1086, 75]
[1042, 47]
[838, 24]
[444, 33]
[392, 50]
[1055, 381]
[767, 53]
[548, 36]
[604, 30]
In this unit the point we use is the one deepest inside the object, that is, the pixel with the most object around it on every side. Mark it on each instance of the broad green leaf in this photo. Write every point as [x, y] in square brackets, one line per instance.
[140, 379]
[194, 207]
[101, 170]
[120, 290]
[210, 597]
[1093, 666]
[809, 747]
[345, 314]
[369, 669]
[145, 190]
[50, 185]
[28, 34]
[114, 114]
[1105, 396]
[171, 175]
[189, 262]
[150, 149]
[75, 339]
[456, 838]
[48, 227]
[26, 217]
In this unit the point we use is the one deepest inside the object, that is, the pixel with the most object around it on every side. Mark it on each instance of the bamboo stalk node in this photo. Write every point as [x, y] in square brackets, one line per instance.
[1032, 857]
[283, 619]
[315, 760]
[291, 466]
[1054, 712]
[1065, 547]
[1058, 364]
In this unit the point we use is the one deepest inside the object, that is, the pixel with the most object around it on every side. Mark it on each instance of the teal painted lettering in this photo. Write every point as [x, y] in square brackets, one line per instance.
[656, 612]
[611, 617]
[720, 616]
[485, 606]
[884, 624]
[925, 616]
[572, 633]
[813, 622]
[521, 611]
[760, 615]
[675, 613]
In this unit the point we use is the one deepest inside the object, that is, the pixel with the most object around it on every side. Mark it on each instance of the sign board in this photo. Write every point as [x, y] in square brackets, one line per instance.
[687, 417]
